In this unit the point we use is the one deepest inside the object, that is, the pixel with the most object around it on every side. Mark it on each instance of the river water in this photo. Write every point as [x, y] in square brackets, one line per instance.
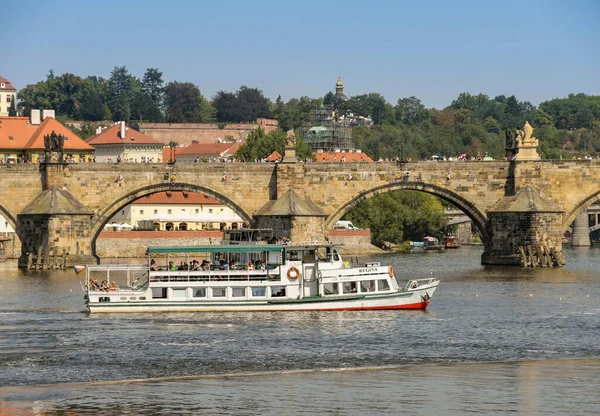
[494, 340]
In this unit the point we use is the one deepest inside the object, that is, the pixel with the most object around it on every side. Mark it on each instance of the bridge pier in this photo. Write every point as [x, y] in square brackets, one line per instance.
[521, 220]
[580, 237]
[55, 221]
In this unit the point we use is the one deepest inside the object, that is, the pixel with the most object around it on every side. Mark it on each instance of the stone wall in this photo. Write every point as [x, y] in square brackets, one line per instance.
[135, 243]
[353, 241]
[185, 133]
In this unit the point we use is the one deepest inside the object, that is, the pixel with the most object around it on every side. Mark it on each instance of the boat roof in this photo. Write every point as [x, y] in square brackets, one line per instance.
[225, 248]
[234, 248]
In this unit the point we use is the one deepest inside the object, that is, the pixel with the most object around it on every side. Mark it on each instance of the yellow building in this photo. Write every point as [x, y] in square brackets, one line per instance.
[175, 211]
[8, 94]
[22, 140]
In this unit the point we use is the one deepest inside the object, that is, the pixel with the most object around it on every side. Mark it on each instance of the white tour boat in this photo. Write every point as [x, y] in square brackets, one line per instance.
[249, 277]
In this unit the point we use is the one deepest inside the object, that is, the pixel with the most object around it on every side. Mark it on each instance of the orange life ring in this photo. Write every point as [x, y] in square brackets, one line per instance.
[293, 273]
[391, 271]
[448, 244]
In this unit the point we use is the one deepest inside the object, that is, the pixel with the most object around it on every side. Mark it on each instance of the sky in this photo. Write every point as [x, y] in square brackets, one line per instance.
[434, 50]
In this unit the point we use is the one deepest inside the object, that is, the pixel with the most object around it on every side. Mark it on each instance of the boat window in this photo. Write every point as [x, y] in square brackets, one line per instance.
[383, 284]
[367, 286]
[238, 292]
[277, 291]
[218, 292]
[349, 287]
[179, 293]
[258, 291]
[159, 293]
[330, 288]
[336, 255]
[200, 292]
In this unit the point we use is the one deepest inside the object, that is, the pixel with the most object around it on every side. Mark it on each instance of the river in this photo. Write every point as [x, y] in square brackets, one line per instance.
[494, 340]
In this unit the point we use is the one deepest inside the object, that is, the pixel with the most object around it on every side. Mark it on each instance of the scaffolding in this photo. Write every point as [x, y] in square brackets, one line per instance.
[325, 132]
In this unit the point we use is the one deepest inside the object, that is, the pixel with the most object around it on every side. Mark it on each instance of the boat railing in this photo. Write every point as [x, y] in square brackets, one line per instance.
[417, 283]
[212, 275]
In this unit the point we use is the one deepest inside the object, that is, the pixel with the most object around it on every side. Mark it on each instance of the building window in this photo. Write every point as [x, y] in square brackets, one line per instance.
[210, 210]
[168, 211]
[141, 212]
[8, 98]
[197, 211]
[156, 211]
[222, 209]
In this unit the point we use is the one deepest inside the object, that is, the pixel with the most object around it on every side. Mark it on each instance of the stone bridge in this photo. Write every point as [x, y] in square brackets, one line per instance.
[512, 203]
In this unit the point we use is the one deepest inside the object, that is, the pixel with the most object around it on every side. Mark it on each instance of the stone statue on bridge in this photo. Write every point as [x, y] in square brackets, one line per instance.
[53, 147]
[522, 142]
[291, 139]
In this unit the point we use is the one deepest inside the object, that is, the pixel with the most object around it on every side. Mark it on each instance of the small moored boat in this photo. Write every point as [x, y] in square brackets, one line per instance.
[249, 277]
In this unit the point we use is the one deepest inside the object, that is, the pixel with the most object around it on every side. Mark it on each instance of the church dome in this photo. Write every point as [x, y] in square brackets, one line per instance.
[339, 82]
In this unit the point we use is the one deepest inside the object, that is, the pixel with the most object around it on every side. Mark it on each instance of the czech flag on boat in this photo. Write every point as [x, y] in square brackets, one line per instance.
[78, 269]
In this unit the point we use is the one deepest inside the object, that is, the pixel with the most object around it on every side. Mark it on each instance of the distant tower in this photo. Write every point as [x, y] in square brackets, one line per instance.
[339, 90]
[339, 87]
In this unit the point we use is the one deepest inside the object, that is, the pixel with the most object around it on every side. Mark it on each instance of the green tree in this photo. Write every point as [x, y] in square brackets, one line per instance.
[92, 108]
[411, 111]
[153, 86]
[260, 145]
[185, 104]
[400, 215]
[120, 93]
[246, 105]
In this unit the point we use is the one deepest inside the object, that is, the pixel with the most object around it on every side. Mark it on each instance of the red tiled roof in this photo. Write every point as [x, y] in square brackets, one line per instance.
[27, 136]
[49, 125]
[337, 157]
[209, 149]
[112, 136]
[7, 85]
[18, 128]
[177, 197]
[274, 156]
[202, 150]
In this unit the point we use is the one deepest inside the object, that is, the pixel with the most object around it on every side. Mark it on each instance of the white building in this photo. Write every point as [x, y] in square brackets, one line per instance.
[8, 94]
[175, 211]
[124, 144]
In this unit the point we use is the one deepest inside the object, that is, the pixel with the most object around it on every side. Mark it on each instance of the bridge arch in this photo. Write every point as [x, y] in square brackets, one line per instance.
[103, 216]
[464, 205]
[577, 209]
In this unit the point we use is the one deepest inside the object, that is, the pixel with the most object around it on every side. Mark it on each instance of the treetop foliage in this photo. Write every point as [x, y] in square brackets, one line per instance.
[471, 123]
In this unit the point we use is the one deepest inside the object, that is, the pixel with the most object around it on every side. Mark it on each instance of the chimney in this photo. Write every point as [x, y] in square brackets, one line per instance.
[34, 118]
[48, 113]
[122, 129]
[98, 130]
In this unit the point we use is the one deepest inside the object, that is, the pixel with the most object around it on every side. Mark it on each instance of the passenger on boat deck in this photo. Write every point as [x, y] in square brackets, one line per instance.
[250, 265]
[114, 286]
[94, 285]
[183, 266]
[232, 265]
[259, 265]
[205, 265]
[172, 266]
[224, 265]
[104, 285]
[195, 265]
[153, 265]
